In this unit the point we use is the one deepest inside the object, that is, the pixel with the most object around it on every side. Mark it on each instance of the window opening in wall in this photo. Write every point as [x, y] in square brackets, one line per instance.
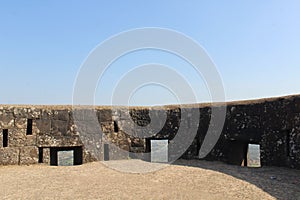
[253, 156]
[159, 151]
[29, 127]
[66, 156]
[5, 137]
[116, 128]
[40, 155]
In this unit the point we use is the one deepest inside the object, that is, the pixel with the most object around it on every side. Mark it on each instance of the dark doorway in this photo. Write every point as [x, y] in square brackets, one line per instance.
[29, 127]
[5, 137]
[237, 153]
[77, 154]
[148, 145]
[40, 155]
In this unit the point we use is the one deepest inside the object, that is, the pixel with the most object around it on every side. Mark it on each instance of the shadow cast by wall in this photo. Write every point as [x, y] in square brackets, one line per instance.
[279, 182]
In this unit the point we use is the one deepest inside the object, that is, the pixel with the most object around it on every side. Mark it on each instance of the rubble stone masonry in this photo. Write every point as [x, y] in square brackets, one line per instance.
[33, 134]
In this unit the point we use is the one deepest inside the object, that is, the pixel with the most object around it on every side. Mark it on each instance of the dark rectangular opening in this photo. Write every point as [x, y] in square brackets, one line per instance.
[245, 151]
[29, 127]
[77, 154]
[116, 128]
[106, 152]
[40, 155]
[237, 152]
[53, 156]
[148, 145]
[5, 137]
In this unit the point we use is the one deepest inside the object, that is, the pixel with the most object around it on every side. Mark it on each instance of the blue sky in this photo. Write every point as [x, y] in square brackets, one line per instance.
[254, 44]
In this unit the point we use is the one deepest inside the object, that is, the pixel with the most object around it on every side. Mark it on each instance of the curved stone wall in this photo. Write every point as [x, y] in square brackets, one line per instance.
[34, 134]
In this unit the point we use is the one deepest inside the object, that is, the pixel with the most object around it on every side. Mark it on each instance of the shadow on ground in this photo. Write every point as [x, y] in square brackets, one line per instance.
[279, 182]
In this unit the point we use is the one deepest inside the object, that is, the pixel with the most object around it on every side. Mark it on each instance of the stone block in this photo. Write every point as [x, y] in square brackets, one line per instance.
[46, 140]
[21, 123]
[9, 156]
[46, 155]
[59, 127]
[62, 115]
[26, 112]
[104, 115]
[106, 127]
[7, 123]
[29, 155]
[18, 138]
[43, 125]
[84, 114]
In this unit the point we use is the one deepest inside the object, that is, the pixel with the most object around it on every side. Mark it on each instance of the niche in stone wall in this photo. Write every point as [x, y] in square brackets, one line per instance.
[40, 155]
[5, 137]
[29, 127]
[116, 128]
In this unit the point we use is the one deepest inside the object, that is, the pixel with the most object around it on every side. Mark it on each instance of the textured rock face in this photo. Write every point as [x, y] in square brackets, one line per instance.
[28, 133]
[9, 156]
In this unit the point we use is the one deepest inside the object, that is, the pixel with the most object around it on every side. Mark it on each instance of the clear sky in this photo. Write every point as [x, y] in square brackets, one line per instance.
[254, 44]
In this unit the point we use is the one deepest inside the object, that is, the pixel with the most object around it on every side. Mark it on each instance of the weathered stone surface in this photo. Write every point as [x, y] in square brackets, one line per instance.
[18, 138]
[29, 155]
[26, 112]
[272, 123]
[21, 123]
[7, 123]
[46, 155]
[44, 125]
[58, 141]
[1, 138]
[84, 114]
[107, 127]
[61, 115]
[104, 115]
[9, 156]
[59, 127]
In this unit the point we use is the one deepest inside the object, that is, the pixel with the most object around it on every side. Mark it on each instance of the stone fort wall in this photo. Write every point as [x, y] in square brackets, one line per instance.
[34, 134]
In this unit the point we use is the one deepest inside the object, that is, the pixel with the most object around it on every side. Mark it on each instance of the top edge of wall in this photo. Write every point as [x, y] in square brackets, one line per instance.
[191, 105]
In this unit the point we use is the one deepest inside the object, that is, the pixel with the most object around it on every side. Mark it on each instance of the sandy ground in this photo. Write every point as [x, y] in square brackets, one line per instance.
[182, 180]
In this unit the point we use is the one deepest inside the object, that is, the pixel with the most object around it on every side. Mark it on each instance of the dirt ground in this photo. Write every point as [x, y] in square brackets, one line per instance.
[182, 180]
